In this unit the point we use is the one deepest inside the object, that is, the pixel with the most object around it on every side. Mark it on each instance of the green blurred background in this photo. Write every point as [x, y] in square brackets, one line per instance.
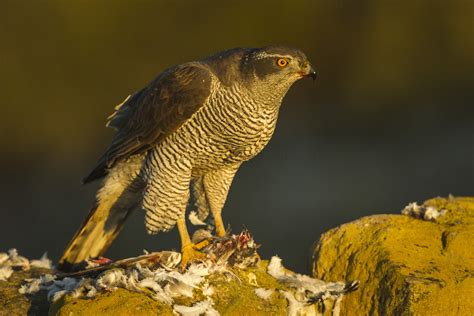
[390, 119]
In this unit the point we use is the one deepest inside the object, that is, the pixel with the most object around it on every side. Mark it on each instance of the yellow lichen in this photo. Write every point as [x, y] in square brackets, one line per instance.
[119, 302]
[405, 265]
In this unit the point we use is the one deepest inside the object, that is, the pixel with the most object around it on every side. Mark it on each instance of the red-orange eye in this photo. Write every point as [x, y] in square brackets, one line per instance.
[281, 62]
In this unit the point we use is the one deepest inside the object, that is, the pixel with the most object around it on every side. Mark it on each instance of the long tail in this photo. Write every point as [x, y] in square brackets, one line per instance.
[115, 201]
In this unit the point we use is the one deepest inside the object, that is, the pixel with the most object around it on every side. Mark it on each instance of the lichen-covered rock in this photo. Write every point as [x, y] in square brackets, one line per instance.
[14, 303]
[230, 294]
[153, 284]
[233, 293]
[118, 302]
[406, 266]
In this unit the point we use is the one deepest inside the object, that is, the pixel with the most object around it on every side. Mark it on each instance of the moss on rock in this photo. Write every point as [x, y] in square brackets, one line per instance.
[118, 302]
[233, 294]
[405, 265]
[14, 303]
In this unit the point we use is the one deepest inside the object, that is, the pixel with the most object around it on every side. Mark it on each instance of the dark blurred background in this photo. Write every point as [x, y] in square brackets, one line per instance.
[390, 119]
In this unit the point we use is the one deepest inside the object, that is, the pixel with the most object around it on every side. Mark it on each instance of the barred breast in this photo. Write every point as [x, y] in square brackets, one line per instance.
[232, 128]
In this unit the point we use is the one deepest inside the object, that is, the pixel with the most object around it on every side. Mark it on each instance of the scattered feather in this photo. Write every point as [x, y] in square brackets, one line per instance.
[252, 279]
[427, 213]
[172, 261]
[201, 308]
[30, 288]
[3, 257]
[336, 310]
[295, 308]
[5, 273]
[308, 290]
[57, 295]
[207, 290]
[11, 261]
[193, 218]
[264, 294]
[112, 279]
[44, 262]
[14, 260]
[275, 268]
[158, 275]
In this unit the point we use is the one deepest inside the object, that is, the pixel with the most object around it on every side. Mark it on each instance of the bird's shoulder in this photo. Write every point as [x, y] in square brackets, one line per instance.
[180, 89]
[146, 117]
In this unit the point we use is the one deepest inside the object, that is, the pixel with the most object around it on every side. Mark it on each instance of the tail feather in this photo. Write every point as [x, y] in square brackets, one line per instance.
[105, 220]
[98, 172]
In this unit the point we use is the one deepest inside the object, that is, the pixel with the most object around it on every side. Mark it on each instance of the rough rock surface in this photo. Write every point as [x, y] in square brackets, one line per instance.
[14, 303]
[233, 293]
[405, 265]
[232, 282]
[230, 296]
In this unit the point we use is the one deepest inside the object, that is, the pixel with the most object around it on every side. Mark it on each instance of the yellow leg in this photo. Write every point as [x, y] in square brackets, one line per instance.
[220, 228]
[189, 251]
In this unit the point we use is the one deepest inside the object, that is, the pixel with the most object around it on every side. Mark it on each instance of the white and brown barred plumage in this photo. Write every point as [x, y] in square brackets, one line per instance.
[193, 126]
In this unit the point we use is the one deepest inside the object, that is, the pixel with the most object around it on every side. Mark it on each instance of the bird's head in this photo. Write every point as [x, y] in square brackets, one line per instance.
[276, 66]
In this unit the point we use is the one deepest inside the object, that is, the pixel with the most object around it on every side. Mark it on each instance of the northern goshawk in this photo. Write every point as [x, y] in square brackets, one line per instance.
[189, 130]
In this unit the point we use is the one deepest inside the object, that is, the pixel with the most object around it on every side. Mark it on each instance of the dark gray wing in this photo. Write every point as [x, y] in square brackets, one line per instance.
[148, 116]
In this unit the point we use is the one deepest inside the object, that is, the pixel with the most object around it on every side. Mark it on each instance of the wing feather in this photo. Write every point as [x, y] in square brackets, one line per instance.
[145, 118]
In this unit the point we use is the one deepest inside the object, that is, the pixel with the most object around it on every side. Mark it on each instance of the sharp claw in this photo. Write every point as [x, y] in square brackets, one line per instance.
[190, 253]
[202, 244]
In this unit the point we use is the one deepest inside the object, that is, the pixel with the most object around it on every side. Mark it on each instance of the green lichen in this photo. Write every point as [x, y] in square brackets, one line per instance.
[233, 294]
[118, 302]
[405, 265]
[236, 294]
[14, 303]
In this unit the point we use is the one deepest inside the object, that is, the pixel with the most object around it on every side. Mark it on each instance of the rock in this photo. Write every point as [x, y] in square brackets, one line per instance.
[145, 285]
[14, 303]
[118, 302]
[405, 265]
[232, 293]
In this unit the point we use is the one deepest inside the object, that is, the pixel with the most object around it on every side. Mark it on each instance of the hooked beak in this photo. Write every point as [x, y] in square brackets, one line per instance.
[309, 72]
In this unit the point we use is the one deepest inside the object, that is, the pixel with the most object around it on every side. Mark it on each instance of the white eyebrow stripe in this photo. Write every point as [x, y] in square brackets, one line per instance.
[266, 55]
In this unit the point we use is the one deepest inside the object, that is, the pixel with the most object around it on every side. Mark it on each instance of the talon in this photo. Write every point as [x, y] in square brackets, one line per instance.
[190, 253]
[202, 244]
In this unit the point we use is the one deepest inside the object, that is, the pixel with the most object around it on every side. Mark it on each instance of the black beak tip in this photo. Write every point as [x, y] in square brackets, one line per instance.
[312, 73]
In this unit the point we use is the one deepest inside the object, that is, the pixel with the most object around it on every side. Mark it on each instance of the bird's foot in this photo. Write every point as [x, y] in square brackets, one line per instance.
[203, 243]
[190, 253]
[220, 229]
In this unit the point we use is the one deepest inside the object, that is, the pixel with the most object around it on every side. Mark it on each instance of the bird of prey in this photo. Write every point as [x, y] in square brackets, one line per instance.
[187, 132]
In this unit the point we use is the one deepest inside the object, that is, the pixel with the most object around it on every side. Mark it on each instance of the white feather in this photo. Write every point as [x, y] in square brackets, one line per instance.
[208, 290]
[57, 295]
[305, 287]
[264, 294]
[3, 258]
[111, 279]
[427, 213]
[295, 308]
[5, 273]
[11, 260]
[194, 219]
[336, 310]
[200, 308]
[275, 268]
[252, 279]
[15, 260]
[44, 262]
